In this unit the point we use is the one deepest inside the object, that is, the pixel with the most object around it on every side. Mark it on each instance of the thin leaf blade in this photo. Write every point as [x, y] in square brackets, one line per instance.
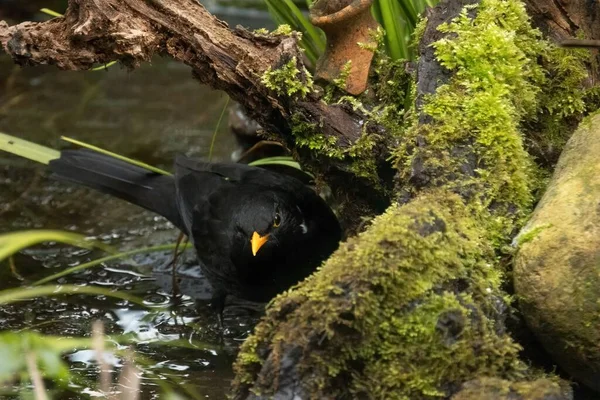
[115, 155]
[11, 243]
[26, 149]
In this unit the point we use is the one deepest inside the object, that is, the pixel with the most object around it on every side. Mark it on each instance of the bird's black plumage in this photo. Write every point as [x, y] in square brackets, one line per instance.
[256, 232]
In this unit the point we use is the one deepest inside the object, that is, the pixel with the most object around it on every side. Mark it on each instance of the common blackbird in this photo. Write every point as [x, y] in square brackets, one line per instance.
[256, 232]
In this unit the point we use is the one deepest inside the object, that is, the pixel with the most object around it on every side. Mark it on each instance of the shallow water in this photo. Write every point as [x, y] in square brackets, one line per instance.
[149, 114]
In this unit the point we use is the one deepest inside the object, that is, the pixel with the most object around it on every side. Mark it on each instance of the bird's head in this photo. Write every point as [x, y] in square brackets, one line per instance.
[272, 221]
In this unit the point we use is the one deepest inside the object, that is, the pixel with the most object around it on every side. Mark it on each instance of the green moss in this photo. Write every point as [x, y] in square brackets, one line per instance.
[284, 29]
[377, 42]
[261, 31]
[473, 141]
[562, 100]
[419, 30]
[338, 84]
[409, 309]
[394, 90]
[288, 80]
[526, 237]
[562, 95]
[307, 135]
[382, 104]
[360, 154]
[389, 314]
[498, 389]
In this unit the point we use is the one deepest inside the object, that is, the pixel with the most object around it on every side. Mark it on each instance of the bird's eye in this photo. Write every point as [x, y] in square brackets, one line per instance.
[277, 220]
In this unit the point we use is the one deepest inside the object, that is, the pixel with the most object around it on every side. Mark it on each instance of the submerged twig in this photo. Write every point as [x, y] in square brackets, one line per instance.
[129, 380]
[13, 269]
[98, 346]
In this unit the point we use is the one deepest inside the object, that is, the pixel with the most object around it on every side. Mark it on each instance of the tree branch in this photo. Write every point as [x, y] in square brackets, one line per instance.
[561, 20]
[132, 31]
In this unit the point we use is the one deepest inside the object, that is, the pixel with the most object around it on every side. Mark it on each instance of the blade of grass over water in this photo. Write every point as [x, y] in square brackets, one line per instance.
[50, 12]
[104, 66]
[106, 259]
[9, 296]
[115, 155]
[13, 242]
[27, 149]
[56, 343]
[48, 349]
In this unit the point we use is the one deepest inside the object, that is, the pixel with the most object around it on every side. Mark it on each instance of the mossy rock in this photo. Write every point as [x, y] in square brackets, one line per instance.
[557, 266]
[499, 389]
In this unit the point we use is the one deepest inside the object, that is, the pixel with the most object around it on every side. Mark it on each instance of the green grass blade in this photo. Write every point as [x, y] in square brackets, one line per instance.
[9, 296]
[410, 14]
[106, 259]
[117, 156]
[283, 160]
[57, 343]
[396, 35]
[27, 149]
[50, 12]
[103, 67]
[214, 136]
[13, 242]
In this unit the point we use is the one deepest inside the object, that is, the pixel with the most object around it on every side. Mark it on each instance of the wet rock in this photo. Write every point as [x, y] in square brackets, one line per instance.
[557, 267]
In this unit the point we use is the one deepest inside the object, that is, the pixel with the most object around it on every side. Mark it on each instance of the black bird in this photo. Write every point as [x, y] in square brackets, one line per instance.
[256, 232]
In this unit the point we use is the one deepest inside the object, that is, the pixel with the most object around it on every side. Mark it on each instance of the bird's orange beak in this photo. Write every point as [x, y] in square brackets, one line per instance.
[257, 242]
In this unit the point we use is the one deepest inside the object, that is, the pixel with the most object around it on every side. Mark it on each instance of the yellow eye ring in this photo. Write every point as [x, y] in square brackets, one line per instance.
[276, 220]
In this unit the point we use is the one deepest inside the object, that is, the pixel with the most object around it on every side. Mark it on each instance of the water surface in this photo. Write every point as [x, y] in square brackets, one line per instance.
[150, 114]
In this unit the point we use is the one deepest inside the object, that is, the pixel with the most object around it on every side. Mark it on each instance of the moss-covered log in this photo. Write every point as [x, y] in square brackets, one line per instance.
[412, 308]
[557, 268]
[409, 309]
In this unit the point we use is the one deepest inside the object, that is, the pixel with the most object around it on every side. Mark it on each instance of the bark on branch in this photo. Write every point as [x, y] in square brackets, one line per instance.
[560, 20]
[233, 60]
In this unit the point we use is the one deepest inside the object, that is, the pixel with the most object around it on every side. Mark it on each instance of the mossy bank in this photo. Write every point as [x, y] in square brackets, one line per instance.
[413, 307]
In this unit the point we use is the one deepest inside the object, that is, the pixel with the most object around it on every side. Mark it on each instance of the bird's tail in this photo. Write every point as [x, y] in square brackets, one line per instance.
[107, 174]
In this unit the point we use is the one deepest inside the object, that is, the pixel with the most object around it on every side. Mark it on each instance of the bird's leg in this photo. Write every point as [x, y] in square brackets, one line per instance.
[176, 255]
[218, 304]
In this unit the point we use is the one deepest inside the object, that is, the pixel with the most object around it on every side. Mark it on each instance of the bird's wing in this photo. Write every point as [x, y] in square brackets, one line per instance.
[233, 172]
[240, 173]
[193, 192]
[199, 198]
